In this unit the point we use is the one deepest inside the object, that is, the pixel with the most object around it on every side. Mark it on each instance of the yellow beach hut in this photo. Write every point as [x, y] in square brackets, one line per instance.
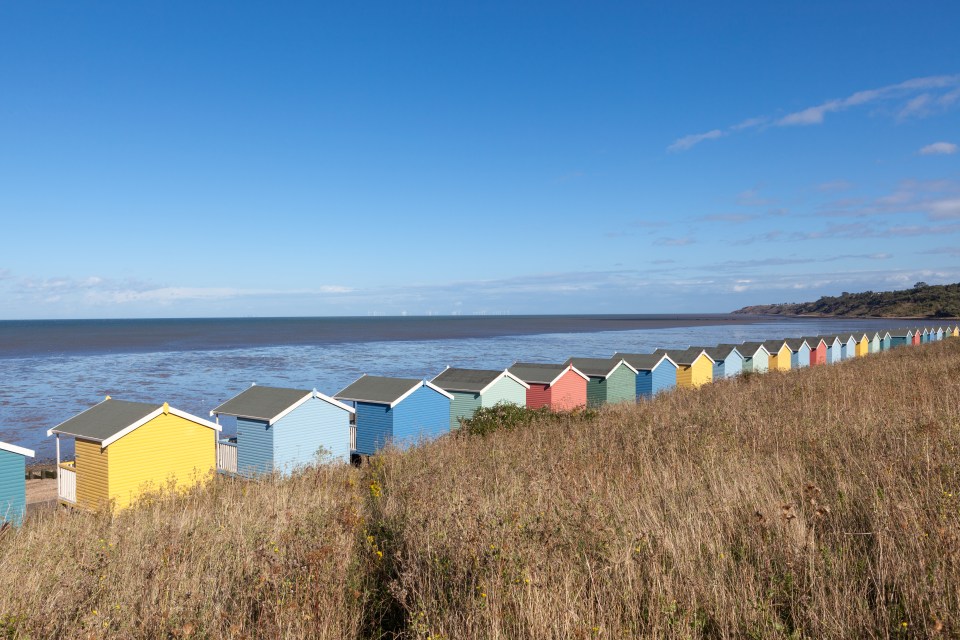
[125, 449]
[863, 344]
[694, 366]
[780, 353]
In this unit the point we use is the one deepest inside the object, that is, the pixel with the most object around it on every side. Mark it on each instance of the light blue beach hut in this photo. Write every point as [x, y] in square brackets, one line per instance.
[938, 333]
[655, 372]
[848, 346]
[886, 340]
[834, 349]
[756, 358]
[799, 353]
[280, 430]
[727, 360]
[473, 389]
[13, 486]
[876, 341]
[397, 411]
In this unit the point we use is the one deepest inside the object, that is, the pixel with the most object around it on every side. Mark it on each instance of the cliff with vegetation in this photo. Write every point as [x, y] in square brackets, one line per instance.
[832, 512]
[922, 301]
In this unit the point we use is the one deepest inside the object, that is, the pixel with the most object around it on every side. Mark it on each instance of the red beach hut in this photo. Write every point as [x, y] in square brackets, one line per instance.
[557, 386]
[818, 350]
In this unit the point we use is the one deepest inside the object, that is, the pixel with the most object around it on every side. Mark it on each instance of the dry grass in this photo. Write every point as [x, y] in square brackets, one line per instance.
[235, 559]
[821, 503]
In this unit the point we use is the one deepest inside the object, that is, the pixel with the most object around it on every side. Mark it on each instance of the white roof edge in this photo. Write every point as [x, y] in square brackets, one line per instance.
[192, 418]
[703, 352]
[504, 374]
[624, 362]
[427, 383]
[12, 448]
[564, 372]
[665, 357]
[290, 408]
[139, 423]
[333, 401]
[407, 393]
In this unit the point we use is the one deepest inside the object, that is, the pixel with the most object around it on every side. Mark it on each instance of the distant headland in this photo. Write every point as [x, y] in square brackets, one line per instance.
[921, 301]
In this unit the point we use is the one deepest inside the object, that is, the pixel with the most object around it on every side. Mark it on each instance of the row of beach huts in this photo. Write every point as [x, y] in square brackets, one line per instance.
[124, 449]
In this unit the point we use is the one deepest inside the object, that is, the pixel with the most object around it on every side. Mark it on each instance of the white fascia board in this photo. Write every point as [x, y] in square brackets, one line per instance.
[624, 363]
[290, 408]
[193, 418]
[136, 425]
[712, 361]
[333, 401]
[668, 359]
[12, 448]
[564, 372]
[411, 390]
[427, 383]
[505, 374]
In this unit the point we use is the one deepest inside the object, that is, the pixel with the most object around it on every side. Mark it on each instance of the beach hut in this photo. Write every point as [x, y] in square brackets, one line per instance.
[917, 336]
[282, 429]
[727, 360]
[756, 358]
[799, 352]
[612, 380]
[863, 344]
[876, 341]
[694, 366]
[13, 487]
[124, 449]
[818, 350]
[901, 337]
[956, 331]
[848, 346]
[560, 387]
[834, 349]
[938, 333]
[779, 354]
[885, 340]
[655, 373]
[397, 411]
[473, 389]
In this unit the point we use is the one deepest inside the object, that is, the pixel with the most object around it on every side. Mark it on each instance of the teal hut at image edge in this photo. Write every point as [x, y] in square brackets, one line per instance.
[473, 389]
[13, 486]
[282, 429]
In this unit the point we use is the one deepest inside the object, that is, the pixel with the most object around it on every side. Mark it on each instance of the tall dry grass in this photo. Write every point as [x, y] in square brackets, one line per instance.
[820, 503]
[235, 559]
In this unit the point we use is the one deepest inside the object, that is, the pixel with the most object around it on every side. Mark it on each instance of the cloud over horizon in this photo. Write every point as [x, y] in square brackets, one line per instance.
[924, 97]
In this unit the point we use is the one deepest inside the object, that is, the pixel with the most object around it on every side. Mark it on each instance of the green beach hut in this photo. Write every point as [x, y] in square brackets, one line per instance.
[473, 389]
[612, 380]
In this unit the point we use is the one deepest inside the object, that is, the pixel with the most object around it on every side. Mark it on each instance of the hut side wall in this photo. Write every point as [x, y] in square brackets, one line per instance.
[13, 489]
[254, 447]
[301, 434]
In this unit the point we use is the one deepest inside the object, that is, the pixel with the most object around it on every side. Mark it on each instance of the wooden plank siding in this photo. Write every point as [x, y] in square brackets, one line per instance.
[730, 366]
[662, 378]
[505, 391]
[13, 491]
[167, 452]
[464, 404]
[758, 362]
[254, 447]
[567, 393]
[313, 426]
[697, 374]
[374, 427]
[424, 414]
[93, 474]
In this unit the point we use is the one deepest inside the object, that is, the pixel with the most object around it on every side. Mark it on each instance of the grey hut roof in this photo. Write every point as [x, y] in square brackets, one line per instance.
[796, 344]
[900, 332]
[262, 403]
[720, 352]
[749, 349]
[685, 357]
[537, 373]
[106, 419]
[471, 380]
[643, 361]
[379, 389]
[813, 341]
[774, 346]
[597, 367]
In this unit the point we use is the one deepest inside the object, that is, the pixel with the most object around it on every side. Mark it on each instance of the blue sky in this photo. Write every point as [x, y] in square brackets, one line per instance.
[235, 159]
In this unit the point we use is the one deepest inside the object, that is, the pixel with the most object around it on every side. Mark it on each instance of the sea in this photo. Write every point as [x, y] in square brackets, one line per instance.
[51, 370]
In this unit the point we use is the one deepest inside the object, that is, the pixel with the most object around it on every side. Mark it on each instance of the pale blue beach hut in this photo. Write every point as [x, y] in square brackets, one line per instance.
[727, 360]
[398, 411]
[756, 358]
[280, 430]
[886, 341]
[655, 372]
[799, 353]
[834, 349]
[876, 341]
[848, 346]
[13, 486]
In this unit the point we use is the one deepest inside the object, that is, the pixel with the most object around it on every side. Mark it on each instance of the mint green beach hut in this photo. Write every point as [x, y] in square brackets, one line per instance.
[612, 380]
[474, 389]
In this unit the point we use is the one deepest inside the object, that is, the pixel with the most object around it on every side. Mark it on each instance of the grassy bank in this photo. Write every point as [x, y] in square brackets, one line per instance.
[819, 503]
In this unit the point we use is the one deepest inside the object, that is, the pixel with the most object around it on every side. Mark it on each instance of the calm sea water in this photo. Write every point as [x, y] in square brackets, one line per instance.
[51, 370]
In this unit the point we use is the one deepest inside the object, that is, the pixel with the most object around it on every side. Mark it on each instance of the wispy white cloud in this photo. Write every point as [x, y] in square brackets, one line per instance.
[834, 186]
[675, 242]
[914, 98]
[938, 149]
